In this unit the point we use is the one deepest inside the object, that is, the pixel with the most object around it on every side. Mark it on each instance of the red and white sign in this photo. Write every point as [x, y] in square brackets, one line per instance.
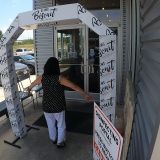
[107, 141]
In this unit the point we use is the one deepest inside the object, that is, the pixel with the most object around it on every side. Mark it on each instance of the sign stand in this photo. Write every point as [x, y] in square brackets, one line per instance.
[14, 141]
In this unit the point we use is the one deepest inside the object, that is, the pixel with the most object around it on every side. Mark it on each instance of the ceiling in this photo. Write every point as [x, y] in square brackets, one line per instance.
[93, 5]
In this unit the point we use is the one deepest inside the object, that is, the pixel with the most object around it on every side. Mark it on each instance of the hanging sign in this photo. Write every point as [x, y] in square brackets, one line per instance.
[107, 141]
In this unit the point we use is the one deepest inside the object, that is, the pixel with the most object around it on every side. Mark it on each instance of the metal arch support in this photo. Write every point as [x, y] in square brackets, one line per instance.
[53, 16]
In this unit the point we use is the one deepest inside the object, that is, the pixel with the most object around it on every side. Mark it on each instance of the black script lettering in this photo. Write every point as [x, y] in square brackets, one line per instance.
[109, 68]
[4, 54]
[109, 47]
[109, 103]
[109, 32]
[42, 14]
[102, 100]
[2, 46]
[4, 74]
[102, 44]
[2, 39]
[110, 85]
[6, 88]
[13, 112]
[14, 124]
[10, 29]
[103, 82]
[81, 9]
[9, 100]
[3, 59]
[96, 22]
[101, 52]
[111, 82]
[102, 64]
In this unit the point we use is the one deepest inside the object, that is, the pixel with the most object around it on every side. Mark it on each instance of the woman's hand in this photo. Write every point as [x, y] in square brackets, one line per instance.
[88, 98]
[67, 83]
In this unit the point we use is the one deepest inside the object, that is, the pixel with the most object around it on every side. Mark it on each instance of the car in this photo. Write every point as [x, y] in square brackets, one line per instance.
[31, 53]
[28, 60]
[22, 51]
[22, 71]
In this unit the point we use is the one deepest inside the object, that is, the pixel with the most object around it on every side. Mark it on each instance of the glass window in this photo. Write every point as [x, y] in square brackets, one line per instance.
[27, 57]
[100, 4]
[16, 58]
[19, 50]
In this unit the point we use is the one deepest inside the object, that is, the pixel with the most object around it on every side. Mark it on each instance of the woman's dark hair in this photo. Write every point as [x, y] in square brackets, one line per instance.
[52, 67]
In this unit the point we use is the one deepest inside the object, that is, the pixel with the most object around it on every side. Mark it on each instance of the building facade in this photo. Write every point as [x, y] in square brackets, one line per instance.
[136, 23]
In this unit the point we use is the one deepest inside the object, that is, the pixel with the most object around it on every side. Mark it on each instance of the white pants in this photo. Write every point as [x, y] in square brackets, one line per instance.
[51, 119]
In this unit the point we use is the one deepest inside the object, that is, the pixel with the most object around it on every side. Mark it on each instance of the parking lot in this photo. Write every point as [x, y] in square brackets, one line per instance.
[25, 84]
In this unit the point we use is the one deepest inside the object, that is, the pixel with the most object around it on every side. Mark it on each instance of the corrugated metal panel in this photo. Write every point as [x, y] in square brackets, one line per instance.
[43, 39]
[125, 21]
[147, 118]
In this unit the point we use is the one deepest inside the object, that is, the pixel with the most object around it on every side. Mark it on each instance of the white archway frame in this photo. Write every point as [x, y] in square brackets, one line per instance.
[47, 17]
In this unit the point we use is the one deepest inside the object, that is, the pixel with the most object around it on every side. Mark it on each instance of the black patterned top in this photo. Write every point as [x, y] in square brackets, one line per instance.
[53, 94]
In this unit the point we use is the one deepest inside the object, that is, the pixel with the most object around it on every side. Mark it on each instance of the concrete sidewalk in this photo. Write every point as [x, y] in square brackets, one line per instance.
[37, 146]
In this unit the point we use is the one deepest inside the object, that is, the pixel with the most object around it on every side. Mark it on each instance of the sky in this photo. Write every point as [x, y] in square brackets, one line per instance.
[9, 9]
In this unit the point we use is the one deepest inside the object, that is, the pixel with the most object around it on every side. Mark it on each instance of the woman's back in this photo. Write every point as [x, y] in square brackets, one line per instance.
[53, 94]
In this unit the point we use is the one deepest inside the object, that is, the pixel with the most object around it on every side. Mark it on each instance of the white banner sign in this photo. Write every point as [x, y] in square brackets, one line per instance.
[9, 79]
[107, 49]
[107, 142]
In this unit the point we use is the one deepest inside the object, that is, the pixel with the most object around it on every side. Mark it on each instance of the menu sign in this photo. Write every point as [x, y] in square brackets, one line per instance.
[107, 141]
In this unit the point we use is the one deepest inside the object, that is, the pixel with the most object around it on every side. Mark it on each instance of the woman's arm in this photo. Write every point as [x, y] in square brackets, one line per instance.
[35, 82]
[67, 83]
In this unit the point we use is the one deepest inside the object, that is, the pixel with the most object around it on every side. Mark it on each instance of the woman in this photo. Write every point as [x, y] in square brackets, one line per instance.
[54, 103]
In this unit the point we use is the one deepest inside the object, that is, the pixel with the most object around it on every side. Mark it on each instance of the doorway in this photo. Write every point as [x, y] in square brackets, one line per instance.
[76, 48]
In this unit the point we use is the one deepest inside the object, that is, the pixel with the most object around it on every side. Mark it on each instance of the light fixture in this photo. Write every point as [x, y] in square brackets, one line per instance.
[102, 8]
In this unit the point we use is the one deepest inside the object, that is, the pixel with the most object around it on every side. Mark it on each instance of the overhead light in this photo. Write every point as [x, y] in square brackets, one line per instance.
[102, 8]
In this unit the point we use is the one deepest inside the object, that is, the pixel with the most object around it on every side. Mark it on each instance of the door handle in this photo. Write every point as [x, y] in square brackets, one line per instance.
[82, 69]
[90, 69]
